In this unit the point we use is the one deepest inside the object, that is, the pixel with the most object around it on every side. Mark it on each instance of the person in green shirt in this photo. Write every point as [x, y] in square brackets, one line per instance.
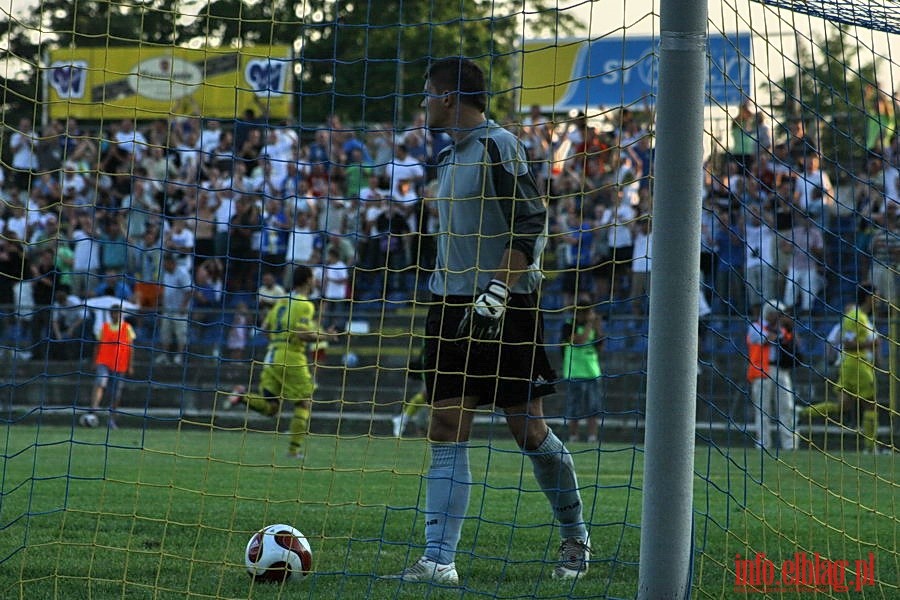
[65, 261]
[290, 326]
[582, 340]
[356, 174]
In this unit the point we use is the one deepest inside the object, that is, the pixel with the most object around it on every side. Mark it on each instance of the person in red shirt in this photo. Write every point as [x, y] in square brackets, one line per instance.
[113, 360]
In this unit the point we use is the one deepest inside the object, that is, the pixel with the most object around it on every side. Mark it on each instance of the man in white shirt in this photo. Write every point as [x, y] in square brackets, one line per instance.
[189, 153]
[640, 266]
[814, 191]
[805, 247]
[270, 292]
[16, 226]
[617, 221]
[628, 175]
[265, 180]
[300, 246]
[891, 175]
[210, 136]
[131, 140]
[279, 147]
[73, 185]
[335, 288]
[883, 188]
[759, 257]
[177, 288]
[86, 254]
[404, 167]
[177, 238]
[23, 144]
[226, 208]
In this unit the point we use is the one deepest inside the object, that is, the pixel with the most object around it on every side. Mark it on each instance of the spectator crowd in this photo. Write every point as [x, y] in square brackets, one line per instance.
[199, 223]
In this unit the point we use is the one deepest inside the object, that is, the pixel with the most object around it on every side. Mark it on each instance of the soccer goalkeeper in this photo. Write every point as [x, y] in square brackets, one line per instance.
[484, 330]
[290, 326]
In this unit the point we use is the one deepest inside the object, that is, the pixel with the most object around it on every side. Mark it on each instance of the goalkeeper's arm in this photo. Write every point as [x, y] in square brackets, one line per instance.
[482, 320]
[512, 265]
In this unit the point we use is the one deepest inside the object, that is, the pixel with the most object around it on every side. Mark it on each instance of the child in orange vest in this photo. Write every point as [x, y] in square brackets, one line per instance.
[113, 359]
[771, 390]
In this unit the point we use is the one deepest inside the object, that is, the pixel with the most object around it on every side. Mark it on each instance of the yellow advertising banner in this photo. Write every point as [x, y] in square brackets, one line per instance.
[548, 71]
[152, 82]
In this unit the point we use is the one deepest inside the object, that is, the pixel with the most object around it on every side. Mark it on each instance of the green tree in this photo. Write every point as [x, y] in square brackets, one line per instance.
[62, 23]
[91, 23]
[19, 87]
[362, 60]
[827, 92]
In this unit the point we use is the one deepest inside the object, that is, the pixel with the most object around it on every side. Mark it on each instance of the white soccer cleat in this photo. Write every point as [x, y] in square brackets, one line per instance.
[236, 397]
[574, 554]
[427, 570]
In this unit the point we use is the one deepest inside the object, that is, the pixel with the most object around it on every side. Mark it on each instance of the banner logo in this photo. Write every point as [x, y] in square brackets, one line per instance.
[69, 79]
[165, 78]
[266, 76]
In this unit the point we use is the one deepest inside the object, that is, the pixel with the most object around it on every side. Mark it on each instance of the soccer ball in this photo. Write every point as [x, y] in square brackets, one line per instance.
[350, 360]
[88, 420]
[278, 553]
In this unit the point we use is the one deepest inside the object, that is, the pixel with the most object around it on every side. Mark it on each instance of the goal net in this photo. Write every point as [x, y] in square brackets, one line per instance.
[187, 185]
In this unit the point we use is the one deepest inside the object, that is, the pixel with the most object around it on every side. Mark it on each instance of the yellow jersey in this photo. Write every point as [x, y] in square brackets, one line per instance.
[291, 315]
[857, 328]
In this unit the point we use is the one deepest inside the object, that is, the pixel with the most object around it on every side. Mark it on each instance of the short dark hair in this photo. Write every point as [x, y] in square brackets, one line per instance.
[460, 75]
[302, 275]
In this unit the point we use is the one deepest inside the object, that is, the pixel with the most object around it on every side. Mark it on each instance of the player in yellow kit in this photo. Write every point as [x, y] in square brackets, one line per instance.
[856, 382]
[415, 372]
[290, 325]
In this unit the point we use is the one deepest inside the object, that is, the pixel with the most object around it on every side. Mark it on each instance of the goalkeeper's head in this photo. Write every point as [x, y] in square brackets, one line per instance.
[461, 75]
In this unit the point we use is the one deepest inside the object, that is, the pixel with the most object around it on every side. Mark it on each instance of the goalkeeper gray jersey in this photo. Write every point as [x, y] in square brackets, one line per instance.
[487, 201]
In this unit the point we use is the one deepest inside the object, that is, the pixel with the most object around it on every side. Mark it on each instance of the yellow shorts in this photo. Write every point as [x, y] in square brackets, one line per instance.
[287, 382]
[857, 378]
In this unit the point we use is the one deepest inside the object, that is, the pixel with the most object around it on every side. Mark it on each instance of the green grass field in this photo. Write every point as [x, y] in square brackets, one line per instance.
[165, 513]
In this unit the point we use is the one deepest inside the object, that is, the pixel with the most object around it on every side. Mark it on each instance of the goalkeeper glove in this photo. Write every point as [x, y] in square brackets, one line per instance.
[482, 320]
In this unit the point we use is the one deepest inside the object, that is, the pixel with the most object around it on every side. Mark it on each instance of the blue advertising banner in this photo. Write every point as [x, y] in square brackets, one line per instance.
[582, 74]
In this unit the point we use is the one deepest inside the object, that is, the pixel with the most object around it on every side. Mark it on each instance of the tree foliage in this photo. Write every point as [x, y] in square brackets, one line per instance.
[831, 81]
[362, 60]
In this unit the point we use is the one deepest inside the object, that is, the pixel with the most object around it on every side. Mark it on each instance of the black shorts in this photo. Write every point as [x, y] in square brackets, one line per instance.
[500, 373]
